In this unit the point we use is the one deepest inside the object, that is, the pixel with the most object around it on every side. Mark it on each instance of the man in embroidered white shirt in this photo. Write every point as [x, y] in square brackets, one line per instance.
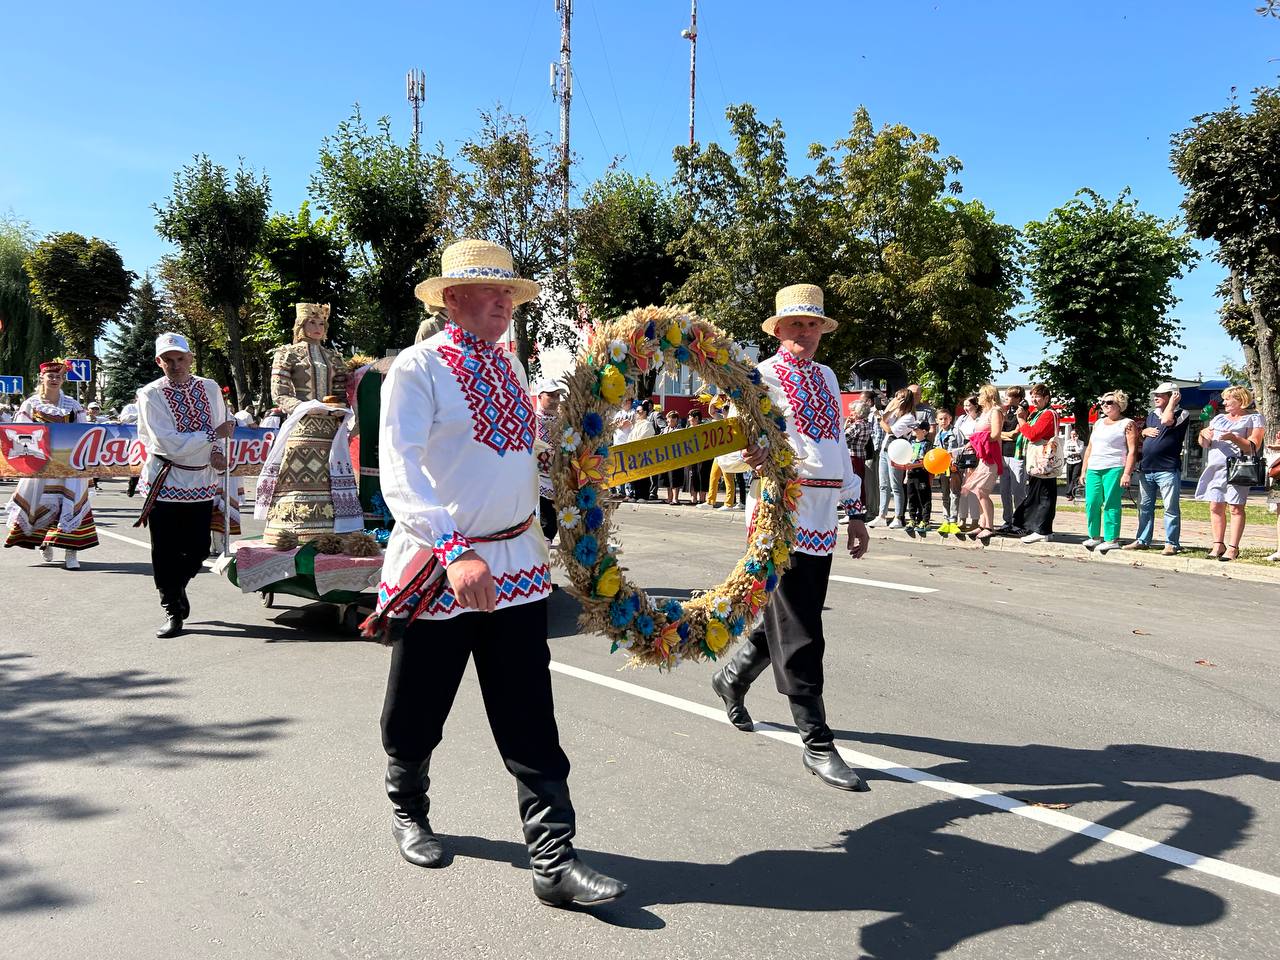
[790, 635]
[182, 423]
[466, 573]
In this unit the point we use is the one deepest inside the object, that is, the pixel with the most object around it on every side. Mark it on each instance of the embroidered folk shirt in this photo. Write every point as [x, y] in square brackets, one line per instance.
[176, 421]
[456, 453]
[807, 394]
[546, 424]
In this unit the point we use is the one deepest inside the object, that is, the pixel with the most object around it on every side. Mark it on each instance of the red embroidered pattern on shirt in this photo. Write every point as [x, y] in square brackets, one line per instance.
[189, 403]
[501, 412]
[815, 410]
[806, 539]
[509, 586]
[545, 420]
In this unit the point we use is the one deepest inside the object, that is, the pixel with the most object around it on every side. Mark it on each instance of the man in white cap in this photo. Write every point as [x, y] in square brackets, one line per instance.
[790, 636]
[549, 392]
[467, 572]
[182, 423]
[1160, 469]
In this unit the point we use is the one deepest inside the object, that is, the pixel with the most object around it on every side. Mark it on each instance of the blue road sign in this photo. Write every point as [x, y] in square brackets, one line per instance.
[11, 385]
[79, 371]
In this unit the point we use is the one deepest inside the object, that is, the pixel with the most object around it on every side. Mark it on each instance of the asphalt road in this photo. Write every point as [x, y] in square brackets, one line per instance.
[219, 794]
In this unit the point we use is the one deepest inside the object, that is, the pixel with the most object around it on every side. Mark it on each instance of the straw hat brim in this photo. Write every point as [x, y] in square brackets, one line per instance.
[770, 326]
[431, 292]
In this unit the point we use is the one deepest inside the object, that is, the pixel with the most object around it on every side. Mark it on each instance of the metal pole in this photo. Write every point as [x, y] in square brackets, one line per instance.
[226, 503]
[692, 35]
[566, 94]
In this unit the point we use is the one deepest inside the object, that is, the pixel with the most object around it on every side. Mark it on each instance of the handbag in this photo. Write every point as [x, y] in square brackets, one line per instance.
[1043, 457]
[1244, 471]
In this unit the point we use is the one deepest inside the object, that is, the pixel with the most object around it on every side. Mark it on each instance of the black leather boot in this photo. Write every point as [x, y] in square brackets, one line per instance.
[560, 879]
[407, 784]
[171, 600]
[820, 755]
[170, 628]
[732, 681]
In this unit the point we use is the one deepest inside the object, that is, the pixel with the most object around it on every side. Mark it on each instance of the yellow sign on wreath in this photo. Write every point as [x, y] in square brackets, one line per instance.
[672, 450]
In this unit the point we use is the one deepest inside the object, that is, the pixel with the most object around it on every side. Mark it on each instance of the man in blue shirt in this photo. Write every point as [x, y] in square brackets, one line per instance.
[1161, 469]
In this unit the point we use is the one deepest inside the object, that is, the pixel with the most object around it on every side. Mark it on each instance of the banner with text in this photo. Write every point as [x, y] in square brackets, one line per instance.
[103, 450]
[638, 459]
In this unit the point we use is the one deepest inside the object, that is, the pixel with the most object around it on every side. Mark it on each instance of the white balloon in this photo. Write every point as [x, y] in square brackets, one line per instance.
[900, 451]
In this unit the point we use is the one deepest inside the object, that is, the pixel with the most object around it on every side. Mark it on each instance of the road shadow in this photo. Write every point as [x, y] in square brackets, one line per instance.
[61, 717]
[937, 875]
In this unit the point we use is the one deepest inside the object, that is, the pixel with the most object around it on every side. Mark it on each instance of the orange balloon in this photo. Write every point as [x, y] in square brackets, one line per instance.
[937, 461]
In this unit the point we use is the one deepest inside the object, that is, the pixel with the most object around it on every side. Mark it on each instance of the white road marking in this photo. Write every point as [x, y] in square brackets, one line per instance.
[883, 584]
[1053, 818]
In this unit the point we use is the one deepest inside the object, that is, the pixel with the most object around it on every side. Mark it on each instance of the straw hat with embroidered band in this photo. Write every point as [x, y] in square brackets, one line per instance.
[475, 261]
[798, 300]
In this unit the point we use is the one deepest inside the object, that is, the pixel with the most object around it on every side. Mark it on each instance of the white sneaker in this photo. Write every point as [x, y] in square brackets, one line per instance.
[896, 525]
[1090, 543]
[877, 522]
[1275, 557]
[72, 563]
[1034, 538]
[1109, 545]
[46, 554]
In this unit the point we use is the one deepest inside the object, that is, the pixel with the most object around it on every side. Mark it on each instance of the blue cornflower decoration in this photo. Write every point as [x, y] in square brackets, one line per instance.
[682, 353]
[633, 603]
[737, 625]
[594, 517]
[621, 612]
[586, 551]
[683, 630]
[644, 623]
[755, 376]
[673, 610]
[780, 422]
[592, 424]
[586, 498]
[771, 582]
[650, 330]
[602, 451]
[736, 393]
[766, 496]
[754, 566]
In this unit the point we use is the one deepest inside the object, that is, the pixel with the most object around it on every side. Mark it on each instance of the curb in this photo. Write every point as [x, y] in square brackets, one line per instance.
[1061, 549]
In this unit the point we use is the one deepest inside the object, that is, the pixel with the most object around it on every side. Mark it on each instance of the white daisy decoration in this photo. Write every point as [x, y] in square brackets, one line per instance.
[685, 323]
[568, 518]
[722, 607]
[570, 440]
[764, 541]
[617, 351]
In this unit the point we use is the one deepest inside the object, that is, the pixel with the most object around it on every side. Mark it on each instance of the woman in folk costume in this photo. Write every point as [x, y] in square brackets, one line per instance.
[52, 512]
[790, 634]
[467, 573]
[306, 369]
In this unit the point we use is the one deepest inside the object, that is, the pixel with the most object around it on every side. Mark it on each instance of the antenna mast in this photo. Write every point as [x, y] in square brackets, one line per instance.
[415, 89]
[691, 35]
[562, 91]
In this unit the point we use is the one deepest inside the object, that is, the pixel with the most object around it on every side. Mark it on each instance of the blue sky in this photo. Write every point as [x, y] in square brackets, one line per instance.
[105, 101]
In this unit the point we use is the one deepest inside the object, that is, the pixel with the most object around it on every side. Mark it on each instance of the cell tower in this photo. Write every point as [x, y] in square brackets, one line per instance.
[415, 90]
[691, 35]
[562, 92]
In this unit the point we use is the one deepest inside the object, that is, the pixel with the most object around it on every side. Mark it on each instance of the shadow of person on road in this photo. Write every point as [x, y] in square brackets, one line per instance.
[99, 719]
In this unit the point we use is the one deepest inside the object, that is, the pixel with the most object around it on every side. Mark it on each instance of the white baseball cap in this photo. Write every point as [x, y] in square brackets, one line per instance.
[168, 342]
[548, 385]
[1167, 387]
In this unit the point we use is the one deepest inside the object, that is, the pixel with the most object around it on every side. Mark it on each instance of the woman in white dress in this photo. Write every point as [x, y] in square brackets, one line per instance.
[52, 512]
[1232, 433]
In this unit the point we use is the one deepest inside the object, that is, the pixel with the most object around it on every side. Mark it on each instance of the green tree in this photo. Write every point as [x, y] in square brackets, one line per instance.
[216, 221]
[392, 202]
[508, 191]
[302, 259]
[83, 285]
[622, 239]
[130, 357]
[27, 335]
[1229, 162]
[1101, 278]
[188, 313]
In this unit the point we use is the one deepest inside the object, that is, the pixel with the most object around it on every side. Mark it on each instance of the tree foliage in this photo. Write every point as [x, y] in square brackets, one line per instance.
[392, 201]
[216, 220]
[82, 284]
[1229, 163]
[188, 313]
[27, 334]
[302, 259]
[1101, 278]
[130, 357]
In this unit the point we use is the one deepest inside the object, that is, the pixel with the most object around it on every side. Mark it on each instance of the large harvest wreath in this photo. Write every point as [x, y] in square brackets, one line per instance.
[665, 633]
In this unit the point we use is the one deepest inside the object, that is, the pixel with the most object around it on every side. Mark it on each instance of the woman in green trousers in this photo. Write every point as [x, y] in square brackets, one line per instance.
[1108, 464]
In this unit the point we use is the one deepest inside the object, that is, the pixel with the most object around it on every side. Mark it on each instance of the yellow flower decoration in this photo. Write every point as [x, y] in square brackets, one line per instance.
[791, 495]
[642, 350]
[757, 596]
[588, 467]
[766, 405]
[700, 344]
[717, 636]
[609, 582]
[783, 456]
[613, 385]
[780, 554]
[667, 640]
[722, 356]
[673, 335]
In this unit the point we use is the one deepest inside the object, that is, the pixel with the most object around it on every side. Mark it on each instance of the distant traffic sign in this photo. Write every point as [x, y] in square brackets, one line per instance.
[11, 385]
[79, 371]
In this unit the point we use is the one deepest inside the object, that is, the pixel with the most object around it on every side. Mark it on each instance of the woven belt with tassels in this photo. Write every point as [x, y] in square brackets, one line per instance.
[402, 600]
[149, 503]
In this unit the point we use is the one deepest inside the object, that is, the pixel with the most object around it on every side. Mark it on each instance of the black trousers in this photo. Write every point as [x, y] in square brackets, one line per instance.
[1073, 479]
[791, 630]
[547, 518]
[919, 495]
[512, 658]
[1037, 511]
[179, 546]
[642, 487]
